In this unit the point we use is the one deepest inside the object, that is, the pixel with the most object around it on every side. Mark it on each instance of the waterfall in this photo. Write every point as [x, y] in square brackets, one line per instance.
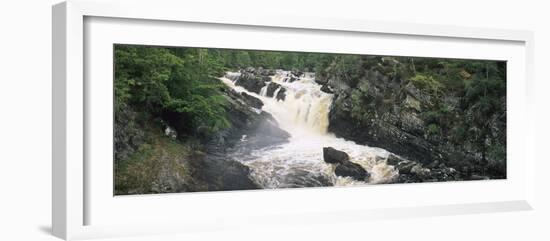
[233, 76]
[304, 114]
[305, 107]
[263, 91]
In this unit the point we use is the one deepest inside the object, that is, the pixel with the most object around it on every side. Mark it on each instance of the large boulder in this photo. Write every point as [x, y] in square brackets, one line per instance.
[331, 155]
[214, 172]
[281, 95]
[353, 170]
[267, 132]
[271, 88]
[252, 101]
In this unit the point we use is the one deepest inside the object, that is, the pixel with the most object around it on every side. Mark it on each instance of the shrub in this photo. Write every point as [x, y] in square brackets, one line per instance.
[427, 82]
[434, 129]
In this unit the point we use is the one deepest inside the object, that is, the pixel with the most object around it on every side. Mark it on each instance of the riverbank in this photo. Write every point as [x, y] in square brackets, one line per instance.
[183, 123]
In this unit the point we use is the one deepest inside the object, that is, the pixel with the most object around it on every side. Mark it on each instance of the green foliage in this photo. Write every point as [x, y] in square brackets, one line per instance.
[427, 82]
[242, 59]
[431, 116]
[141, 74]
[235, 59]
[497, 152]
[433, 129]
[359, 105]
[458, 134]
[157, 80]
[348, 68]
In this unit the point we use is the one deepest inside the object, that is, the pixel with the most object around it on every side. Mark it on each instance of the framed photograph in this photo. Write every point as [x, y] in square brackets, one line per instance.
[180, 121]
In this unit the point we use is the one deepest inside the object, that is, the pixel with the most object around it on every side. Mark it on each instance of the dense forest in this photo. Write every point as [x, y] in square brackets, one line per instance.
[175, 119]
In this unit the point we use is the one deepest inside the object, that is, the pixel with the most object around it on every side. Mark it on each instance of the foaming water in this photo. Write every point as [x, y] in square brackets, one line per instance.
[304, 114]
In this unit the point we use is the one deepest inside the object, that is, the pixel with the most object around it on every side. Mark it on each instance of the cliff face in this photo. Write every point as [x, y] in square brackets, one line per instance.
[386, 104]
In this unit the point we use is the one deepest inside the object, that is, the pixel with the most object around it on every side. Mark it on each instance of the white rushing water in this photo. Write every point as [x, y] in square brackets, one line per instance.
[304, 114]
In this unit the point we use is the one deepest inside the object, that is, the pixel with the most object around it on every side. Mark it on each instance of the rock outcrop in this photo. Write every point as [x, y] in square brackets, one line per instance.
[252, 101]
[254, 79]
[382, 107]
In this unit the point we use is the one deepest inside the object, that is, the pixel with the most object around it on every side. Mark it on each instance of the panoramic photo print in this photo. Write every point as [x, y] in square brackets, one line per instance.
[204, 119]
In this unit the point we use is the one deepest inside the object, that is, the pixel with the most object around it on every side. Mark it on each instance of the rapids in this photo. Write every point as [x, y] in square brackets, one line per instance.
[304, 114]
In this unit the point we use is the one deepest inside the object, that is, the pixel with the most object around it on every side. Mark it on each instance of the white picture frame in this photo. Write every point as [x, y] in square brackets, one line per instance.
[75, 201]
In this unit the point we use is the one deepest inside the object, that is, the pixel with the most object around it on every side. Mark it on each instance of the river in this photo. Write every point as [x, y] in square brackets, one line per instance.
[304, 114]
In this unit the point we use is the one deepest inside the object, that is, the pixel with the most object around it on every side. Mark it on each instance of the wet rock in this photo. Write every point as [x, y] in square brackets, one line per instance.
[421, 172]
[297, 73]
[292, 78]
[393, 159]
[304, 178]
[405, 167]
[326, 89]
[252, 101]
[216, 173]
[281, 95]
[251, 82]
[260, 127]
[331, 155]
[321, 81]
[267, 132]
[353, 170]
[271, 88]
[235, 176]
[264, 72]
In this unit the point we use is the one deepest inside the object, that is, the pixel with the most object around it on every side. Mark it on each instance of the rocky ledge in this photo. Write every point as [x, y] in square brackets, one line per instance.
[254, 79]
